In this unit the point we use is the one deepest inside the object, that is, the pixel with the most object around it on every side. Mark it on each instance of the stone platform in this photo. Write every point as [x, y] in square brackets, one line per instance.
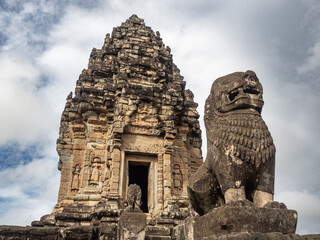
[243, 216]
[242, 220]
[262, 236]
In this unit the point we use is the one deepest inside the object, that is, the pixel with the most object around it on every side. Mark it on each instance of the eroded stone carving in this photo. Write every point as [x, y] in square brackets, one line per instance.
[177, 179]
[133, 201]
[241, 156]
[96, 172]
[75, 178]
[139, 143]
[146, 116]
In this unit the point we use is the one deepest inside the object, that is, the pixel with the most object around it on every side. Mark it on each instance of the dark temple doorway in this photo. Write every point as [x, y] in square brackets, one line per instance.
[138, 174]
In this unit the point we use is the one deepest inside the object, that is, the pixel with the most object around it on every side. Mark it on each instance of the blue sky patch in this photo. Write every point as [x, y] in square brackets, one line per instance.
[3, 39]
[14, 8]
[13, 155]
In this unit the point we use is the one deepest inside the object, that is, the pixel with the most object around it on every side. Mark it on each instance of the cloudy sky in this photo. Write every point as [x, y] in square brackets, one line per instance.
[44, 45]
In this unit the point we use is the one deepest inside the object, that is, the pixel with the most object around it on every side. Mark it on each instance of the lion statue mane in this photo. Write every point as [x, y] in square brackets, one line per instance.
[240, 159]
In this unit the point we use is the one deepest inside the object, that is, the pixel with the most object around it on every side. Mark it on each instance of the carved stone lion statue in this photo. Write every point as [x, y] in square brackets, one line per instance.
[240, 159]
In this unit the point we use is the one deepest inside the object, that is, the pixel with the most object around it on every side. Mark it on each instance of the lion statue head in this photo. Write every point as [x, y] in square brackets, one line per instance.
[240, 91]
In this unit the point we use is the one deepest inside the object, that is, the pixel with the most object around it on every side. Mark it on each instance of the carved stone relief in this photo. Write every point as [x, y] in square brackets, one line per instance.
[96, 172]
[144, 120]
[106, 183]
[145, 116]
[177, 179]
[144, 144]
[75, 178]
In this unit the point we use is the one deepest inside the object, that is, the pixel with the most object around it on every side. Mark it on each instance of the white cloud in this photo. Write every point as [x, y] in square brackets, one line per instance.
[305, 204]
[312, 22]
[12, 192]
[29, 191]
[62, 64]
[26, 115]
[21, 213]
[313, 60]
[21, 115]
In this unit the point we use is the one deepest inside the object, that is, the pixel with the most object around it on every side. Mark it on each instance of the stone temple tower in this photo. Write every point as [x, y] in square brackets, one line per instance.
[131, 121]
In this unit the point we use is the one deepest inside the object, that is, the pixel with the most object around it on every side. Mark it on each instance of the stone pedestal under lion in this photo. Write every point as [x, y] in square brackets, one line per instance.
[237, 177]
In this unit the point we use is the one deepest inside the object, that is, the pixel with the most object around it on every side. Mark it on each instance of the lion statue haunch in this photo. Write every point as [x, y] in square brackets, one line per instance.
[240, 158]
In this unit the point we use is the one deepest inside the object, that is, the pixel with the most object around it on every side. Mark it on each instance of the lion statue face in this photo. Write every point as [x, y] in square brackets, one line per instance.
[238, 91]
